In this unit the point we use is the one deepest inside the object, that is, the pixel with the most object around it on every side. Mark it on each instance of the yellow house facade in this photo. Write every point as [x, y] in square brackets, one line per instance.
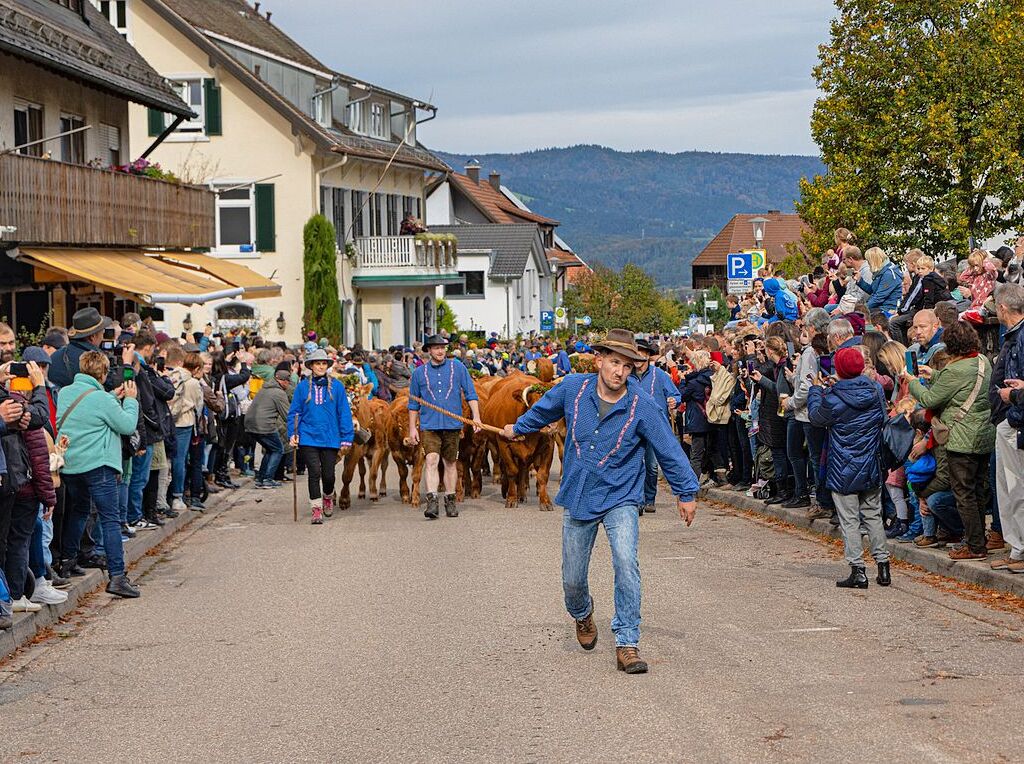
[280, 137]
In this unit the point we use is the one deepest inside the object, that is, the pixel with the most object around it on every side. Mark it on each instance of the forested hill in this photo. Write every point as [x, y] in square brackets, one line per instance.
[657, 210]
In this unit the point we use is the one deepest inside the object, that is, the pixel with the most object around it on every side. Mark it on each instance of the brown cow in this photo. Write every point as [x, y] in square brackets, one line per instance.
[403, 452]
[373, 416]
[508, 400]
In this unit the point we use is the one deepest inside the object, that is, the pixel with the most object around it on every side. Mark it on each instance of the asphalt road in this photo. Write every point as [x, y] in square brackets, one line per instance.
[382, 637]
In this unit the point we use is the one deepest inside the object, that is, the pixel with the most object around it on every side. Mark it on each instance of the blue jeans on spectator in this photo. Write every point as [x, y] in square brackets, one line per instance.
[36, 563]
[916, 521]
[943, 508]
[100, 487]
[137, 484]
[122, 490]
[182, 441]
[815, 437]
[797, 456]
[993, 504]
[780, 463]
[622, 526]
[650, 475]
[273, 451]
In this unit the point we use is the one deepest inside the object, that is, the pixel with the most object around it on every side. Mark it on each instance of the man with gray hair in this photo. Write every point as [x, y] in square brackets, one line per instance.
[841, 335]
[1006, 394]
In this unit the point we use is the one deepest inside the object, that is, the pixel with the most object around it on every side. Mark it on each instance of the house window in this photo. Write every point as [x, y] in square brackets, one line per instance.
[72, 147]
[374, 214]
[392, 212]
[472, 285]
[322, 109]
[332, 207]
[358, 227]
[110, 144]
[236, 220]
[191, 92]
[28, 127]
[374, 333]
[236, 311]
[378, 121]
[354, 117]
[116, 12]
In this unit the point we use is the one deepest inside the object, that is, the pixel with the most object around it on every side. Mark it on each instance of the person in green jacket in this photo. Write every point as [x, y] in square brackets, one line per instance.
[957, 395]
[93, 421]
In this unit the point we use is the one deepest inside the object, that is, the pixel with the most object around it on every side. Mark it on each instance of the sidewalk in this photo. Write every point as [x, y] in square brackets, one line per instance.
[27, 625]
[933, 560]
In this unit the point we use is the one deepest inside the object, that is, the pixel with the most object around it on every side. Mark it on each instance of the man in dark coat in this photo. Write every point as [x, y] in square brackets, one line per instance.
[853, 410]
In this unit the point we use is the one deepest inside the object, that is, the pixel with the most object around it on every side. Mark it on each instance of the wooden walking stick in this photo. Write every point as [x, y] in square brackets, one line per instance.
[464, 420]
[295, 476]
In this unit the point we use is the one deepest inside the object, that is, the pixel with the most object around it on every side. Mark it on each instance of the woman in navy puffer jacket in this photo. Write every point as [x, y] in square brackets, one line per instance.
[854, 412]
[693, 391]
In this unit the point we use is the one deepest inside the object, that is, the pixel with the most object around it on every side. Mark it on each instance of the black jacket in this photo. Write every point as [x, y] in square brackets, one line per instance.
[65, 364]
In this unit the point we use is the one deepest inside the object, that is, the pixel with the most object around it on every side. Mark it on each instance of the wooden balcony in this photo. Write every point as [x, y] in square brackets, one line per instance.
[55, 203]
[404, 260]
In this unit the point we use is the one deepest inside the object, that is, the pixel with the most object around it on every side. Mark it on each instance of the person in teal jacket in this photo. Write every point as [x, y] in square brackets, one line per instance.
[319, 424]
[93, 421]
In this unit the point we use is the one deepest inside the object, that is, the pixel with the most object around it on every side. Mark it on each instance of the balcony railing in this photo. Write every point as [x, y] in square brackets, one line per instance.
[405, 252]
[56, 203]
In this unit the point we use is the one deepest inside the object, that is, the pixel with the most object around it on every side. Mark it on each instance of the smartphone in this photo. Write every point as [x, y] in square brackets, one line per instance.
[19, 370]
[128, 374]
[825, 364]
[790, 351]
[160, 364]
[750, 367]
[911, 360]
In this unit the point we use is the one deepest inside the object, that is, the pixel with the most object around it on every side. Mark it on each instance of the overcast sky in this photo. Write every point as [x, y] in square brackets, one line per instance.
[672, 75]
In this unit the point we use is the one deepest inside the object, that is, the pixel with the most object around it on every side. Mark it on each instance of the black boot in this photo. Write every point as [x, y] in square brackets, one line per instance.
[779, 495]
[120, 586]
[431, 511]
[884, 577]
[797, 502]
[857, 580]
[450, 510]
[59, 582]
[71, 568]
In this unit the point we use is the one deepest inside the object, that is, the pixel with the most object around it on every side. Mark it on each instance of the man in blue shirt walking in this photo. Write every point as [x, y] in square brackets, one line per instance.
[609, 421]
[442, 382]
[659, 385]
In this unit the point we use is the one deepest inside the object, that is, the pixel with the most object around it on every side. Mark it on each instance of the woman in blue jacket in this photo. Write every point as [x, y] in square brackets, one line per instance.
[693, 391]
[853, 410]
[886, 285]
[319, 425]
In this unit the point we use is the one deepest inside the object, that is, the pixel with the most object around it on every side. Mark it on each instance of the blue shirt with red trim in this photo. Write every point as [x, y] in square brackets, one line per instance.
[442, 386]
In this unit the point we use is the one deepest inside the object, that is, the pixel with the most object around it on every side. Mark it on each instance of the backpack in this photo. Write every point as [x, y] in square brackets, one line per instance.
[717, 405]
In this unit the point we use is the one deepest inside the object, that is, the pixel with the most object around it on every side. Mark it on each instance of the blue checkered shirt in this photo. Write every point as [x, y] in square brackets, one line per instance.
[659, 385]
[604, 458]
[443, 386]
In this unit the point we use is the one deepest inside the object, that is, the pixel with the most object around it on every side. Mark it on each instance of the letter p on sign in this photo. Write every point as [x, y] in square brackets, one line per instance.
[739, 266]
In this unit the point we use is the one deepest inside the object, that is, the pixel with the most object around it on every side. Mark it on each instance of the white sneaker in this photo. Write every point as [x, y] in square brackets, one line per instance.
[144, 525]
[24, 606]
[45, 594]
[178, 505]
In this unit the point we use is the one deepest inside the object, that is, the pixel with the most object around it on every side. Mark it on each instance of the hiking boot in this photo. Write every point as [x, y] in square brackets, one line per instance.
[884, 574]
[1002, 563]
[57, 581]
[317, 510]
[818, 512]
[431, 511]
[797, 502]
[779, 498]
[71, 568]
[120, 586]
[450, 510]
[628, 659]
[964, 553]
[328, 505]
[994, 541]
[926, 542]
[857, 580]
[586, 631]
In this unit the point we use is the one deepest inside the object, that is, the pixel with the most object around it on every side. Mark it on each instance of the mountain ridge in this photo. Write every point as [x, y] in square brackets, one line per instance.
[649, 207]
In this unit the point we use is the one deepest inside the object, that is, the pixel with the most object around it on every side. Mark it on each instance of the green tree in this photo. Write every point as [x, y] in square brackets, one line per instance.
[638, 306]
[628, 299]
[793, 266]
[321, 305]
[449, 322]
[921, 124]
[592, 294]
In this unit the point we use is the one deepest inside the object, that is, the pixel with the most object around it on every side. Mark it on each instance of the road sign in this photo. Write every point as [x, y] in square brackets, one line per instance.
[758, 258]
[711, 304]
[587, 321]
[739, 265]
[560, 313]
[547, 320]
[739, 286]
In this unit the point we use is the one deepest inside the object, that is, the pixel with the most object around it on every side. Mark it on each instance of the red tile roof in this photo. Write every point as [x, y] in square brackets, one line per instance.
[563, 257]
[494, 204]
[738, 234]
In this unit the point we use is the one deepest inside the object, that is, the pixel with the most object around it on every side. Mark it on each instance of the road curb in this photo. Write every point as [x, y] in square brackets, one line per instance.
[28, 625]
[933, 560]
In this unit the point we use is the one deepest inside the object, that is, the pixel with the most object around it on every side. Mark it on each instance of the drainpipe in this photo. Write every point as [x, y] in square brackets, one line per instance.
[320, 173]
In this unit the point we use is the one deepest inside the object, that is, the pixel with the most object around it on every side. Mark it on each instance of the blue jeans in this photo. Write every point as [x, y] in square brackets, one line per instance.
[182, 441]
[815, 437]
[796, 455]
[137, 484]
[122, 490]
[273, 452]
[650, 475]
[622, 526]
[100, 487]
[943, 509]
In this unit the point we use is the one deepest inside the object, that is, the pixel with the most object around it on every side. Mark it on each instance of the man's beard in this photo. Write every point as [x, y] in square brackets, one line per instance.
[6, 356]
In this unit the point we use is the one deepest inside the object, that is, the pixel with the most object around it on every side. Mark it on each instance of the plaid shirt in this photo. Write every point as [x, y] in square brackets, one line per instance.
[659, 385]
[443, 386]
[604, 458]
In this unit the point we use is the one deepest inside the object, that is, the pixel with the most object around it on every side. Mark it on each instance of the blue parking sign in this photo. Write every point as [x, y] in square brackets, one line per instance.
[547, 320]
[739, 265]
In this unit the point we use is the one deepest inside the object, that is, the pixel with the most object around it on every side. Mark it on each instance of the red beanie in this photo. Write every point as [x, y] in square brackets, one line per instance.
[849, 363]
[717, 357]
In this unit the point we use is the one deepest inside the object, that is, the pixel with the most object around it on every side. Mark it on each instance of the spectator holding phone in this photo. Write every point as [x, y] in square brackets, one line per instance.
[94, 420]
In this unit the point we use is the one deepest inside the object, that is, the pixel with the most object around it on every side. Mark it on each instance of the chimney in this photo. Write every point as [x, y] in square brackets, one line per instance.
[268, 15]
[473, 170]
[257, 7]
[495, 180]
[774, 212]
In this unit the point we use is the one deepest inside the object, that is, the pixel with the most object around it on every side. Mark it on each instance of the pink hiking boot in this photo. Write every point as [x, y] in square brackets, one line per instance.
[328, 505]
[318, 513]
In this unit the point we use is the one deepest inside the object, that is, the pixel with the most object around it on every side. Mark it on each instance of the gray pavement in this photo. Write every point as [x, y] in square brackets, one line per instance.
[383, 637]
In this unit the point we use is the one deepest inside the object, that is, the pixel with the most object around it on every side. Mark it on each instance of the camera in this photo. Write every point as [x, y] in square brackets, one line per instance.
[19, 370]
[107, 345]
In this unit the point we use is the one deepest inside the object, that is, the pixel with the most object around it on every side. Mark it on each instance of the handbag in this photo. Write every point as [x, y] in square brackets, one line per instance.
[897, 441]
[941, 430]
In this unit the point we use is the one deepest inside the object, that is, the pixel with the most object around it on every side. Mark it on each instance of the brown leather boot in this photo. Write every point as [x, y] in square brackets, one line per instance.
[586, 631]
[628, 659]
[994, 541]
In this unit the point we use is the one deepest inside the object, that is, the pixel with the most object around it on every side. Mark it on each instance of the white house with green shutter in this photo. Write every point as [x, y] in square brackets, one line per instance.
[280, 136]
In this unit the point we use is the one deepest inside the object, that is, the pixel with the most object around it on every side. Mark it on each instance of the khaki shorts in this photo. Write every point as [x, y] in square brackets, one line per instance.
[444, 442]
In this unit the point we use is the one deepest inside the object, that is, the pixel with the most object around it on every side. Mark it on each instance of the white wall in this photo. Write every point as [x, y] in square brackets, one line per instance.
[439, 209]
[491, 312]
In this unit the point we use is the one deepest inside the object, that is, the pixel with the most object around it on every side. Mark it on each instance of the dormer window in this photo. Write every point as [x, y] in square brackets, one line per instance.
[116, 12]
[379, 127]
[354, 117]
[322, 109]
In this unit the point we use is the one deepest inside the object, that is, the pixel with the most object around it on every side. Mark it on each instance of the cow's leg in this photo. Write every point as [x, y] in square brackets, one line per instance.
[403, 476]
[345, 499]
[543, 461]
[523, 489]
[417, 476]
[374, 467]
[496, 466]
[509, 478]
[362, 475]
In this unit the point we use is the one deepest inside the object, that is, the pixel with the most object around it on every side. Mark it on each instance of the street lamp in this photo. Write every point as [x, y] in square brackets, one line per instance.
[280, 322]
[759, 224]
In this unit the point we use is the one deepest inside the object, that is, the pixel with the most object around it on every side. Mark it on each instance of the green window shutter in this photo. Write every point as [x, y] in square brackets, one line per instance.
[211, 95]
[265, 230]
[156, 122]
